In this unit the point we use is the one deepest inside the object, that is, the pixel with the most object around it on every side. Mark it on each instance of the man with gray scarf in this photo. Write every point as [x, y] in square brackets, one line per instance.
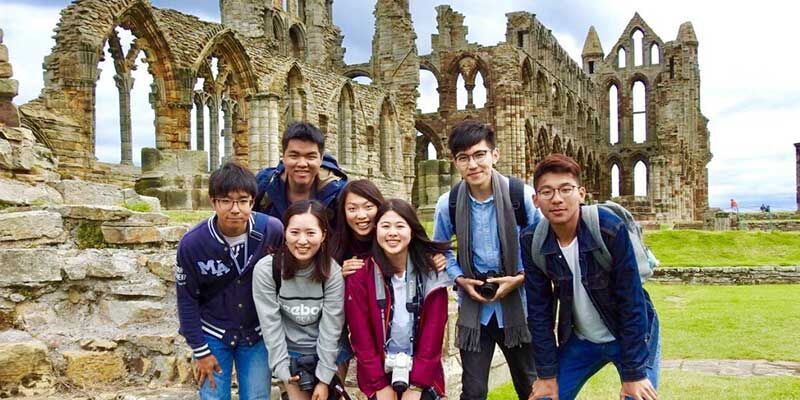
[487, 232]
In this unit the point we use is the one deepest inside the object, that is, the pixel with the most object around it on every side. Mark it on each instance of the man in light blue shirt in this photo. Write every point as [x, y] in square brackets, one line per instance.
[486, 205]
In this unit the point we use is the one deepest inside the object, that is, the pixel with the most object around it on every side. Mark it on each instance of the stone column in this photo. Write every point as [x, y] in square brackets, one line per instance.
[199, 106]
[797, 154]
[274, 134]
[124, 83]
[213, 125]
[227, 131]
[253, 134]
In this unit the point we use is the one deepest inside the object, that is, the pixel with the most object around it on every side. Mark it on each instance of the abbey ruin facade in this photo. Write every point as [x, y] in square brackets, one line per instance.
[271, 62]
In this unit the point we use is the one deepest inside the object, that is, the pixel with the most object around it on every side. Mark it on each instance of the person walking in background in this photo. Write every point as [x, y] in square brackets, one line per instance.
[299, 296]
[213, 284]
[396, 308]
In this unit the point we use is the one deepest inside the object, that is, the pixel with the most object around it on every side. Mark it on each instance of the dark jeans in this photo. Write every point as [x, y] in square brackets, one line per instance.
[476, 365]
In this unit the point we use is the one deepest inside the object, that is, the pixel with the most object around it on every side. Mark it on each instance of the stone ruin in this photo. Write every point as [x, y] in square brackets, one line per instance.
[87, 304]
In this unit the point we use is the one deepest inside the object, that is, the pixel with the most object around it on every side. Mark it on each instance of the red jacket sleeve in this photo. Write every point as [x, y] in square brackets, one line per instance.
[427, 370]
[366, 335]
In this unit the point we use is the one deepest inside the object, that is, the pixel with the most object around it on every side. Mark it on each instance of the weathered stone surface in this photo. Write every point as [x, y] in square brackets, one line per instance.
[31, 225]
[22, 358]
[728, 275]
[129, 233]
[164, 344]
[98, 344]
[3, 52]
[89, 193]
[124, 313]
[6, 71]
[96, 263]
[163, 266]
[131, 197]
[154, 218]
[142, 284]
[29, 266]
[18, 193]
[92, 369]
[94, 213]
[172, 234]
[9, 88]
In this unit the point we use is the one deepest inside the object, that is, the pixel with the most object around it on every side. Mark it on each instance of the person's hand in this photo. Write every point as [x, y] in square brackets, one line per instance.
[469, 286]
[387, 393]
[505, 285]
[349, 267]
[544, 389]
[411, 394]
[205, 368]
[639, 390]
[320, 391]
[440, 262]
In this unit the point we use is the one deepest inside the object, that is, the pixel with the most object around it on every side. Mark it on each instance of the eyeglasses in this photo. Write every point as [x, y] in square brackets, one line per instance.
[227, 204]
[548, 193]
[479, 156]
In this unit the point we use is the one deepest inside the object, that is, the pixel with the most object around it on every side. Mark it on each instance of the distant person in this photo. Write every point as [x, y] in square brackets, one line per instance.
[603, 313]
[767, 208]
[305, 172]
[763, 208]
[734, 206]
[213, 279]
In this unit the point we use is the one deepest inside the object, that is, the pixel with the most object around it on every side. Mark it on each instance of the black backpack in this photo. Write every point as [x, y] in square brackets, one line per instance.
[516, 190]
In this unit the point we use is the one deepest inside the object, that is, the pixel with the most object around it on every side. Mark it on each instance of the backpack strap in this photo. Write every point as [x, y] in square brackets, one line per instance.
[539, 236]
[452, 202]
[590, 217]
[516, 190]
[277, 275]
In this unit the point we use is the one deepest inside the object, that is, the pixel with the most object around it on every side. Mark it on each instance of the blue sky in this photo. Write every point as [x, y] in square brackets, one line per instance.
[749, 89]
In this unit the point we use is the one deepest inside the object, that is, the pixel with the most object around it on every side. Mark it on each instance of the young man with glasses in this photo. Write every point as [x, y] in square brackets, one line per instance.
[486, 227]
[213, 278]
[604, 314]
[305, 172]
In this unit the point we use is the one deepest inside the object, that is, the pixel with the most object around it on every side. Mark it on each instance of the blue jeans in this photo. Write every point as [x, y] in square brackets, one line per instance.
[252, 371]
[579, 359]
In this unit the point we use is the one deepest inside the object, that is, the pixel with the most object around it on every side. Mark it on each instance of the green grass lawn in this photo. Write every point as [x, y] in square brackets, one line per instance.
[689, 248]
[684, 385]
[734, 322]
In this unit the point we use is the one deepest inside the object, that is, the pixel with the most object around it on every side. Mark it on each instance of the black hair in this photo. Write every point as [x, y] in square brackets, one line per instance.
[468, 133]
[287, 263]
[231, 177]
[303, 131]
[421, 249]
[344, 234]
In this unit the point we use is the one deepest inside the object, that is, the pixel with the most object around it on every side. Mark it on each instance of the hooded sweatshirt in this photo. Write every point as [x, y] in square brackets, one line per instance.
[305, 317]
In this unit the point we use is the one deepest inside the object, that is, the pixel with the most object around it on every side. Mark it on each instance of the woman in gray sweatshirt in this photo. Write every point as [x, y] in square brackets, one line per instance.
[299, 296]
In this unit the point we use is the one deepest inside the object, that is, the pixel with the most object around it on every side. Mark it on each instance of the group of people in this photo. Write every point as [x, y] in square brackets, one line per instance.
[300, 270]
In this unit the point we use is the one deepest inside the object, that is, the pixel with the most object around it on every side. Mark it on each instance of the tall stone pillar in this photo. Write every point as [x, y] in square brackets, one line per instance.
[273, 133]
[253, 134]
[213, 128]
[199, 107]
[227, 130]
[124, 83]
[797, 176]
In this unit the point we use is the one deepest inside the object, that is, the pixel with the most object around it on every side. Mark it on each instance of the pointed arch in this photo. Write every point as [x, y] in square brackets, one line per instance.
[388, 138]
[346, 131]
[557, 147]
[297, 42]
[227, 47]
[296, 95]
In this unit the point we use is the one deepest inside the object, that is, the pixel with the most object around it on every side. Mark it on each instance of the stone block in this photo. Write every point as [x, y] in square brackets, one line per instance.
[23, 359]
[164, 344]
[172, 234]
[89, 193]
[143, 285]
[3, 52]
[30, 225]
[9, 114]
[6, 155]
[98, 344]
[9, 88]
[154, 218]
[92, 368]
[163, 266]
[125, 313]
[6, 70]
[130, 233]
[131, 196]
[93, 213]
[30, 266]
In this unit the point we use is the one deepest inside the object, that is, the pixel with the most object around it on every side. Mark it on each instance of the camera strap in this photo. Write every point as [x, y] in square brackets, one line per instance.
[413, 302]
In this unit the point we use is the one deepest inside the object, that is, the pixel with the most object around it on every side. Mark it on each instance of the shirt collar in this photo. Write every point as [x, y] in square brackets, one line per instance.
[212, 228]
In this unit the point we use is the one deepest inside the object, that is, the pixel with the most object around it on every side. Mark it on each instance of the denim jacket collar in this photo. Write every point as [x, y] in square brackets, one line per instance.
[586, 242]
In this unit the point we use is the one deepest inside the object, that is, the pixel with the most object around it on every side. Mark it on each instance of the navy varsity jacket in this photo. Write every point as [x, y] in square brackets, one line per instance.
[214, 283]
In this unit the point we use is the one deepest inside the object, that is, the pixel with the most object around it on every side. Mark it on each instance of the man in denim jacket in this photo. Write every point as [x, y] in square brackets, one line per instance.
[604, 315]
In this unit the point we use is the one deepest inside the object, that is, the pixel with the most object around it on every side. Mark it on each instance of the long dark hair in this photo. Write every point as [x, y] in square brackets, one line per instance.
[344, 235]
[421, 249]
[321, 261]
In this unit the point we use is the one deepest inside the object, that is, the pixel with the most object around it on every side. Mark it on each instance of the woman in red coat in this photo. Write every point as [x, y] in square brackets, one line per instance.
[396, 309]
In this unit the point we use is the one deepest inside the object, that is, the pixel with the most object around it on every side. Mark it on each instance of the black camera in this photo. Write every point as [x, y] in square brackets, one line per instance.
[304, 367]
[488, 289]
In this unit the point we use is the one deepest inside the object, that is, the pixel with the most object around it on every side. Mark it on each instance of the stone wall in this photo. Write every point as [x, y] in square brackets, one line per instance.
[728, 275]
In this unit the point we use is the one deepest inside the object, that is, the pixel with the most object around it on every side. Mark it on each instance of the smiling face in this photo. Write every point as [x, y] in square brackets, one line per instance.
[302, 161]
[233, 211]
[304, 237]
[476, 163]
[360, 215]
[560, 210]
[393, 234]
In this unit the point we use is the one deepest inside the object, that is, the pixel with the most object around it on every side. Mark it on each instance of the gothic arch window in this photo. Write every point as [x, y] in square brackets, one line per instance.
[638, 47]
[613, 114]
[428, 100]
[296, 96]
[298, 42]
[655, 54]
[346, 129]
[387, 128]
[615, 180]
[541, 89]
[557, 148]
[278, 33]
[640, 186]
[621, 61]
[555, 93]
[639, 112]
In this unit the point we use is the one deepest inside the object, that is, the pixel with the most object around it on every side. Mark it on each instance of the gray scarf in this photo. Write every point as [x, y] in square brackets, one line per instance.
[515, 327]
